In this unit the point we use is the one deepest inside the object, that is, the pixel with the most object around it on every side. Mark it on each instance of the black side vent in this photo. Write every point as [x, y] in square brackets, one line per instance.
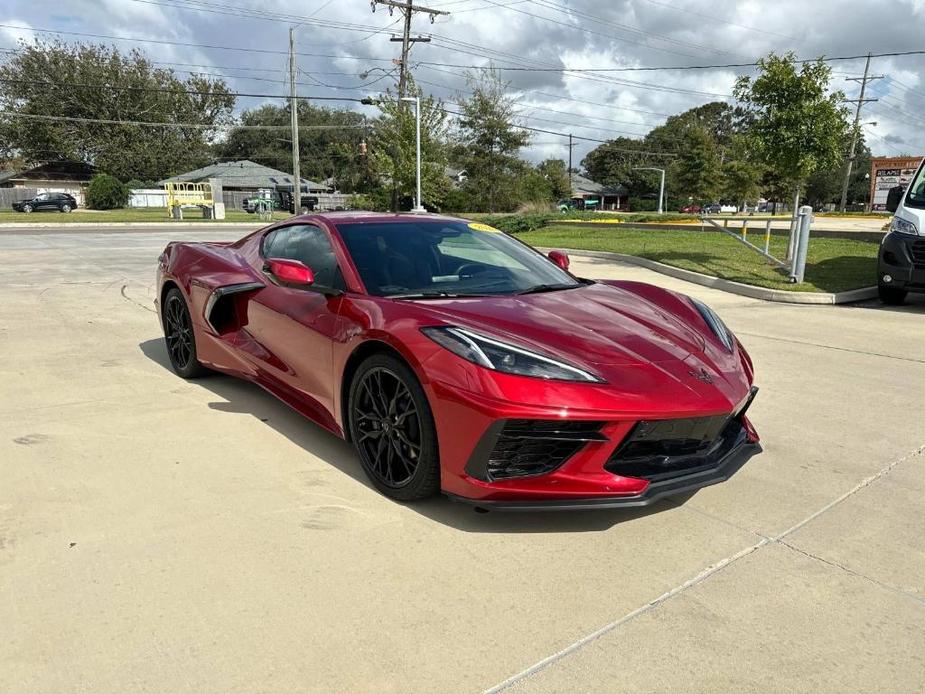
[527, 447]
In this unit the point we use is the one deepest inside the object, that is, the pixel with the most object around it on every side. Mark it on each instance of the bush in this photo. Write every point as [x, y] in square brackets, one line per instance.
[518, 223]
[457, 200]
[643, 205]
[530, 208]
[107, 193]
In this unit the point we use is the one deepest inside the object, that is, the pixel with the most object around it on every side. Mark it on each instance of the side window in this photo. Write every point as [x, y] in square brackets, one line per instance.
[309, 245]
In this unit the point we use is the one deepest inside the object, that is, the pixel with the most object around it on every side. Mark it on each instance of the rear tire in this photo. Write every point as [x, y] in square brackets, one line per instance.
[392, 429]
[891, 295]
[65, 208]
[180, 337]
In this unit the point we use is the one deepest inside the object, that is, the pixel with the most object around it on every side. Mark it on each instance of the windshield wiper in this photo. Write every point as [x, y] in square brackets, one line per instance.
[540, 288]
[432, 295]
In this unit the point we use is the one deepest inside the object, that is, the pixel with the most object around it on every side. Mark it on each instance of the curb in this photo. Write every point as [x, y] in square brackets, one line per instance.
[845, 234]
[776, 295]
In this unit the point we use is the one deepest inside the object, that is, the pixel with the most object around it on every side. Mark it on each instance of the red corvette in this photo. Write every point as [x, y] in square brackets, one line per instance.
[458, 359]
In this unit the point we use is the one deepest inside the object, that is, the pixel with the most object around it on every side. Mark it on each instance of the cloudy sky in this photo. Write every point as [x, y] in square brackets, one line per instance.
[341, 40]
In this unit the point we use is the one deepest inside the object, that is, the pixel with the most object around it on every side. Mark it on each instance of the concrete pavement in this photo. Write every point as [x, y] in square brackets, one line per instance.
[158, 535]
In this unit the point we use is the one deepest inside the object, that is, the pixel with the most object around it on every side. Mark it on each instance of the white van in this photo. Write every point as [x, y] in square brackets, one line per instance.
[901, 261]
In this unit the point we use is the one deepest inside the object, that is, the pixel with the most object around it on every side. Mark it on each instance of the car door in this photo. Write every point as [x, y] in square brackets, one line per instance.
[42, 201]
[294, 326]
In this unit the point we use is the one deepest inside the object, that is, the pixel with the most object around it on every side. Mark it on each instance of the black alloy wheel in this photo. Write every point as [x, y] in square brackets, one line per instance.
[178, 334]
[393, 430]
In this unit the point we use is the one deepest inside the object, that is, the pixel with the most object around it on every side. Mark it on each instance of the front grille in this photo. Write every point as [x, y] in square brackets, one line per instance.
[527, 447]
[665, 448]
[660, 450]
[917, 251]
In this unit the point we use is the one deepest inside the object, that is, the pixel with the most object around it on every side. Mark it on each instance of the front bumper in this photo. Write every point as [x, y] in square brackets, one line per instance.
[602, 457]
[902, 258]
[654, 492]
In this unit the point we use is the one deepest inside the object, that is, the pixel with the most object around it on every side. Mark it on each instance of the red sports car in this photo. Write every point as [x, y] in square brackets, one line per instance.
[457, 359]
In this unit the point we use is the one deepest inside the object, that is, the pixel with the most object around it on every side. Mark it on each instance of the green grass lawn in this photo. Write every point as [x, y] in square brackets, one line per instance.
[127, 214]
[833, 264]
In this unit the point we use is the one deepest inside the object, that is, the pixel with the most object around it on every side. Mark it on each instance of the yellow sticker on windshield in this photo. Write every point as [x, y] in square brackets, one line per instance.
[477, 226]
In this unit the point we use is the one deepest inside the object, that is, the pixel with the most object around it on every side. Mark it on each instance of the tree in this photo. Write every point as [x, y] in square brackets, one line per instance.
[555, 173]
[696, 170]
[329, 151]
[100, 83]
[106, 192]
[489, 141]
[615, 163]
[797, 126]
[393, 153]
[741, 173]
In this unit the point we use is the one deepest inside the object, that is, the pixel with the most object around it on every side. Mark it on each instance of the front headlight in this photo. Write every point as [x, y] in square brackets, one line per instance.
[902, 226]
[716, 324]
[503, 356]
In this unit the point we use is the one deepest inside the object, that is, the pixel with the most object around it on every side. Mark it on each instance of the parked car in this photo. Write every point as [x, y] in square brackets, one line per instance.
[457, 359]
[901, 259]
[691, 209]
[47, 202]
[717, 208]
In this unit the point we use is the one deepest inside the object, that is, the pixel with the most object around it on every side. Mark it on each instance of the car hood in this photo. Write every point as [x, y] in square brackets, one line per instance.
[595, 324]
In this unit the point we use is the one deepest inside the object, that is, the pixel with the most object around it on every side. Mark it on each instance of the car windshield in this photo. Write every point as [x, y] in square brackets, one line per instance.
[916, 195]
[426, 258]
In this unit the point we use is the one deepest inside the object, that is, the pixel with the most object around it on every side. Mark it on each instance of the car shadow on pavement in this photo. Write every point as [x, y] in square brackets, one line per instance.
[241, 397]
[913, 305]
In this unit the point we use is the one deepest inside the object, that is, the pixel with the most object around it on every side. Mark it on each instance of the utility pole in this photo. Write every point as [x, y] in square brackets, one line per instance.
[294, 120]
[860, 101]
[407, 8]
[570, 146]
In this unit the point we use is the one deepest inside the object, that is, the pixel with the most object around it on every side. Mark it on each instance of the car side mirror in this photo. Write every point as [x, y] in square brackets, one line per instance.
[560, 258]
[893, 198]
[290, 271]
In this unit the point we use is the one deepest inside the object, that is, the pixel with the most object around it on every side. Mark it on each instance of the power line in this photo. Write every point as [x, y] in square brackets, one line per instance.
[166, 42]
[578, 137]
[162, 124]
[672, 67]
[168, 90]
[723, 21]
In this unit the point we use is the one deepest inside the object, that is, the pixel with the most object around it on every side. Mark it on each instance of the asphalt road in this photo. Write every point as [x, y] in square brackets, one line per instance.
[158, 535]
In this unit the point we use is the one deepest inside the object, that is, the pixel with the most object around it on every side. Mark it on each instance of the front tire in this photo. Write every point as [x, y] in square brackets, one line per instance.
[179, 336]
[27, 209]
[891, 295]
[392, 429]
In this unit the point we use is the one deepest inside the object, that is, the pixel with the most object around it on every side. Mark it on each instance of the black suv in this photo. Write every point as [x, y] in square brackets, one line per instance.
[62, 202]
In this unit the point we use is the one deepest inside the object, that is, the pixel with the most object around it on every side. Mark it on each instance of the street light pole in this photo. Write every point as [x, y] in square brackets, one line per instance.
[417, 125]
[661, 189]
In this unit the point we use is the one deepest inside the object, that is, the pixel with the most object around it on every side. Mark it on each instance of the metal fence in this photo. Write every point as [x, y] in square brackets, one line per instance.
[10, 195]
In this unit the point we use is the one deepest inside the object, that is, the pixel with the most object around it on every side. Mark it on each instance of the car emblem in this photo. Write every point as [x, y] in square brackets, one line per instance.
[701, 375]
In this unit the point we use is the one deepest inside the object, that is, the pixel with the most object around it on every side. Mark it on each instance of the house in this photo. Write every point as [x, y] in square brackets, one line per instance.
[597, 196]
[54, 177]
[456, 176]
[243, 178]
